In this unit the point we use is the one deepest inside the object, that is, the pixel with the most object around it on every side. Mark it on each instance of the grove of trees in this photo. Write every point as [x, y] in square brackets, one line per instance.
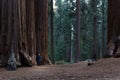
[74, 39]
[23, 29]
[59, 30]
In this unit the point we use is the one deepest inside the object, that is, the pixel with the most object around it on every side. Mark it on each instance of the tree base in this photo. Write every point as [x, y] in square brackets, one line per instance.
[113, 48]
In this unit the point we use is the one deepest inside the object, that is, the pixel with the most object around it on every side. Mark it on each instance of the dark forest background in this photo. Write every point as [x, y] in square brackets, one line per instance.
[63, 19]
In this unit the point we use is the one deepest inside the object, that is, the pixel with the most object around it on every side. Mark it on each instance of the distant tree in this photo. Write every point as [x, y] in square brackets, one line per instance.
[64, 20]
[59, 40]
[68, 15]
[77, 29]
[95, 44]
[103, 27]
[65, 29]
[52, 32]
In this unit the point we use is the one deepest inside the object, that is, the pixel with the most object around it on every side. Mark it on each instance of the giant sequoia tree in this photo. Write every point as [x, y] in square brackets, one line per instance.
[113, 19]
[113, 28]
[23, 30]
[41, 15]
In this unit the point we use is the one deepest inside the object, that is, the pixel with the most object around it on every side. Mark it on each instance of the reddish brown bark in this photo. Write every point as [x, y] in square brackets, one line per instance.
[41, 10]
[113, 27]
[9, 29]
[30, 23]
[113, 19]
[17, 30]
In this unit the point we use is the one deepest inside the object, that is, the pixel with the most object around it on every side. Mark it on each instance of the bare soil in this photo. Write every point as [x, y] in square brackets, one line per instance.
[104, 69]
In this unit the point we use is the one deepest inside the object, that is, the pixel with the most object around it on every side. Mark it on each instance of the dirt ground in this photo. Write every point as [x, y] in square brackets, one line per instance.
[104, 69]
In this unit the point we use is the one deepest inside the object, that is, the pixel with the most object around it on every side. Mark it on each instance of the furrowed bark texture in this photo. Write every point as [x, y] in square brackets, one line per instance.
[113, 48]
[23, 29]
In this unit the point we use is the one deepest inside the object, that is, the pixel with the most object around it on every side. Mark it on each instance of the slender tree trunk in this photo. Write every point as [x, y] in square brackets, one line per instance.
[95, 46]
[103, 27]
[52, 33]
[68, 52]
[77, 56]
[68, 45]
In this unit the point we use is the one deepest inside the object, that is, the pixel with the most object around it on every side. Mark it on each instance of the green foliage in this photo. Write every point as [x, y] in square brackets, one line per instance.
[64, 24]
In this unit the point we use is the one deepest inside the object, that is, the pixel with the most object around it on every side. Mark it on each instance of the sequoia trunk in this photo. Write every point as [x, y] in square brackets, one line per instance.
[113, 47]
[21, 30]
[41, 15]
[30, 23]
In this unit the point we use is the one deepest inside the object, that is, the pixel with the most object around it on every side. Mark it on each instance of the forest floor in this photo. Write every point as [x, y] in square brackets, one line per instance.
[104, 69]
